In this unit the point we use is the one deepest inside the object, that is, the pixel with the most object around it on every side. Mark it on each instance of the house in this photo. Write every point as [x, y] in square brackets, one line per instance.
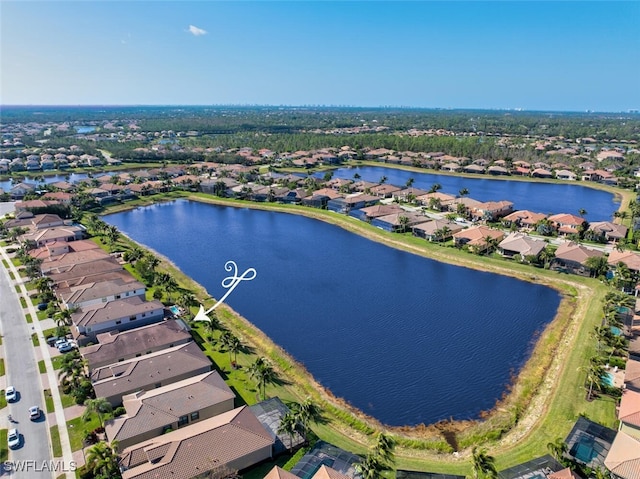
[477, 238]
[152, 413]
[41, 237]
[497, 170]
[89, 294]
[630, 259]
[84, 271]
[120, 314]
[351, 202]
[398, 222]
[149, 372]
[623, 459]
[608, 231]
[229, 442]
[492, 210]
[537, 468]
[541, 173]
[384, 190]
[271, 413]
[521, 244]
[436, 200]
[629, 413]
[566, 175]
[567, 224]
[572, 258]
[323, 472]
[370, 212]
[632, 375]
[523, 219]
[474, 168]
[408, 194]
[436, 230]
[117, 346]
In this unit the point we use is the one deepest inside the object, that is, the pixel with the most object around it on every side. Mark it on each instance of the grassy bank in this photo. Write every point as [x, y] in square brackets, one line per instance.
[545, 399]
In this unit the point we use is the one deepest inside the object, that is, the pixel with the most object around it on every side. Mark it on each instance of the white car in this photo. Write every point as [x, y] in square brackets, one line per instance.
[10, 394]
[66, 347]
[13, 438]
[34, 413]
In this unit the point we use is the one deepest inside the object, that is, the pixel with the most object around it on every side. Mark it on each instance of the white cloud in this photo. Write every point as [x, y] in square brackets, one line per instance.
[196, 31]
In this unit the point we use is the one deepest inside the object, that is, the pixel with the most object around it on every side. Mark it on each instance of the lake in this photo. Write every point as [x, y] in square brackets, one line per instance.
[550, 198]
[405, 339]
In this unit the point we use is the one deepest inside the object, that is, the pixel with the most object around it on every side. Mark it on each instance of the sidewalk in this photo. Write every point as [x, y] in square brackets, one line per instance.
[51, 376]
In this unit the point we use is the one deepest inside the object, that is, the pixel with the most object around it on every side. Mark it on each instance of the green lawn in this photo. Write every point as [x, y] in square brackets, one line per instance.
[4, 449]
[23, 302]
[42, 366]
[48, 401]
[67, 400]
[57, 362]
[78, 429]
[35, 340]
[28, 318]
[3, 401]
[55, 441]
[2, 371]
[41, 315]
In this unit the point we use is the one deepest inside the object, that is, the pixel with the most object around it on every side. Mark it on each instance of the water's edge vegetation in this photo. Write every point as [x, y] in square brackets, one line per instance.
[540, 405]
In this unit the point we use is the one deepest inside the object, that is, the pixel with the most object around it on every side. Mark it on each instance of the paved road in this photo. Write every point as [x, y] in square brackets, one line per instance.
[22, 373]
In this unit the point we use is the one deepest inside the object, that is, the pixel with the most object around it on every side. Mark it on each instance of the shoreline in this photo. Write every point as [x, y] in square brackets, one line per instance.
[536, 404]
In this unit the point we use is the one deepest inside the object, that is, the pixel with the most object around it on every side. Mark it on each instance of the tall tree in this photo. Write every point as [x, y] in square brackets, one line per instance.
[262, 371]
[102, 461]
[98, 405]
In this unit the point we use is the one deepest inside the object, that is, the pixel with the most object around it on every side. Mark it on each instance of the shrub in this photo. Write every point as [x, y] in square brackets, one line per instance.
[119, 411]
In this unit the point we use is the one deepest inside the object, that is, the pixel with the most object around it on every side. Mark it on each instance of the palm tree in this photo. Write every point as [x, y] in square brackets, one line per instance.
[582, 212]
[305, 412]
[289, 426]
[113, 235]
[483, 464]
[597, 265]
[410, 182]
[403, 221]
[557, 448]
[383, 448]
[262, 371]
[63, 318]
[435, 187]
[97, 405]
[383, 180]
[594, 372]
[463, 192]
[102, 461]
[233, 346]
[370, 467]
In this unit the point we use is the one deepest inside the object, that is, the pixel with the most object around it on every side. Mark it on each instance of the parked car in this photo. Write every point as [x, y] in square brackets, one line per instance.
[66, 347]
[13, 438]
[42, 306]
[10, 394]
[52, 340]
[34, 413]
[59, 342]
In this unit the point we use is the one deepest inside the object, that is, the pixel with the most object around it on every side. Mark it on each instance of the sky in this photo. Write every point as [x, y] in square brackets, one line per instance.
[545, 55]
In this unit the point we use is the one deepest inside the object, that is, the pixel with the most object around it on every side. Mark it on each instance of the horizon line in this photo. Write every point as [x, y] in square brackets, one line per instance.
[354, 107]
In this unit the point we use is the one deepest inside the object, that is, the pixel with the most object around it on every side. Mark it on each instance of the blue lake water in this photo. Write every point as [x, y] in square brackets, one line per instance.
[540, 197]
[406, 339]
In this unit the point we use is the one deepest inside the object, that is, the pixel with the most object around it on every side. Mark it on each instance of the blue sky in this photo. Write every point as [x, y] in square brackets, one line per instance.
[542, 55]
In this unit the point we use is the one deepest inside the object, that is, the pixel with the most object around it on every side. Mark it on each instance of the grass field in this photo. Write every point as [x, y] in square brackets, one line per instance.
[79, 428]
[55, 441]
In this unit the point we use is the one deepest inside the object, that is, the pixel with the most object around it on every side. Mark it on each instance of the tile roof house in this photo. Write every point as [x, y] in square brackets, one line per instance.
[629, 413]
[49, 235]
[229, 442]
[278, 473]
[116, 346]
[151, 413]
[566, 223]
[80, 272]
[608, 230]
[396, 221]
[120, 314]
[149, 372]
[519, 243]
[96, 292]
[492, 210]
[632, 375]
[523, 218]
[476, 237]
[573, 257]
[62, 262]
[436, 230]
[623, 460]
[375, 211]
[629, 258]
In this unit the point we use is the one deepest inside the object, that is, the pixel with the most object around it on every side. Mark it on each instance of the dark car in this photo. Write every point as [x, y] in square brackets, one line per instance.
[51, 341]
[42, 306]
